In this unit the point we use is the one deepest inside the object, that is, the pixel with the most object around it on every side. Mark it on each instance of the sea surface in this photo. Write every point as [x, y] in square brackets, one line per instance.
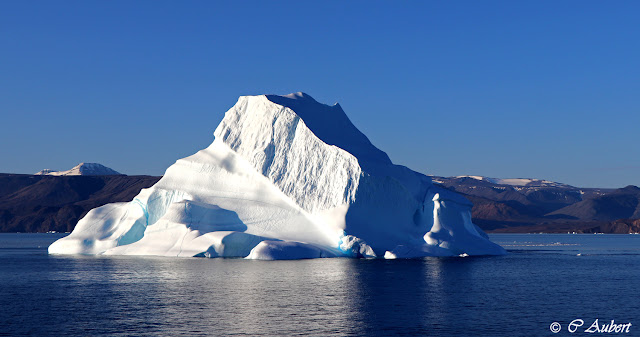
[545, 278]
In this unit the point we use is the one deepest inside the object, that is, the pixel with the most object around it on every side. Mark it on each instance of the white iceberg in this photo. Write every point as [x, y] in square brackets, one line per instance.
[285, 178]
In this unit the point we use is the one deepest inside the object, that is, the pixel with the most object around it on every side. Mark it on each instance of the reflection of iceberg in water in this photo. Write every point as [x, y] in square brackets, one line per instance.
[430, 301]
[380, 307]
[285, 178]
[236, 297]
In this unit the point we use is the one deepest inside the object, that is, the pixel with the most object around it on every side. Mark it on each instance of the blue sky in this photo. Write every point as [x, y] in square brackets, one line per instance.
[543, 89]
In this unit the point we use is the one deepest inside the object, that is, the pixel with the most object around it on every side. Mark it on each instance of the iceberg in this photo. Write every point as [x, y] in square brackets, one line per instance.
[286, 177]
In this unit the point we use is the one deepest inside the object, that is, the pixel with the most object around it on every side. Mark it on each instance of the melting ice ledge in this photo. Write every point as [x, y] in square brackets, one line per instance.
[285, 178]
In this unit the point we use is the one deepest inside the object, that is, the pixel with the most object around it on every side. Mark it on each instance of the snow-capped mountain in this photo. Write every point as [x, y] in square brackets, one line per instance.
[524, 202]
[286, 177]
[521, 182]
[82, 169]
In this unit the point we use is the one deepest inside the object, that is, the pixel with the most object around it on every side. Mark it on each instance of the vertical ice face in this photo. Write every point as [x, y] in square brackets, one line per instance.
[280, 146]
[286, 177]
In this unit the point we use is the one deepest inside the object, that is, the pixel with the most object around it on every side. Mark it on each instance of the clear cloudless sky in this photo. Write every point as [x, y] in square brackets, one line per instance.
[541, 89]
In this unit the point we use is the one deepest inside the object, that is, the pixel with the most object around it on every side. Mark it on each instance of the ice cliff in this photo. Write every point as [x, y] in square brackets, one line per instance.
[286, 177]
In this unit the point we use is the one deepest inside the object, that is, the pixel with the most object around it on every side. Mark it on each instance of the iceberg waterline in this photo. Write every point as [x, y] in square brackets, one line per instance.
[286, 177]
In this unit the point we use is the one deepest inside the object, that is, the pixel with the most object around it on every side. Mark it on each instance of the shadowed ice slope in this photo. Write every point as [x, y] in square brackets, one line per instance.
[286, 177]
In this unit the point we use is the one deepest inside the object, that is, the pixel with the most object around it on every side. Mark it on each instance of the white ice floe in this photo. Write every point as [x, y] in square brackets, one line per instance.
[285, 178]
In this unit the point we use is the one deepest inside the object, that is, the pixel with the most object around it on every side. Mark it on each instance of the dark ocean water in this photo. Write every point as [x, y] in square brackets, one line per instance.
[542, 280]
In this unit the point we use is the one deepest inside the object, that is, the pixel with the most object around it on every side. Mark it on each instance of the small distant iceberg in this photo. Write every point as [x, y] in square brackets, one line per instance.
[285, 178]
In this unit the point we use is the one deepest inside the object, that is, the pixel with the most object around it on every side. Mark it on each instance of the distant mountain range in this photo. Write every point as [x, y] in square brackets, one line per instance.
[55, 201]
[521, 182]
[533, 205]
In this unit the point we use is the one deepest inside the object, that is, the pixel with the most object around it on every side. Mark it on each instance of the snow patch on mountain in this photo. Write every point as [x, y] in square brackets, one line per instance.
[524, 182]
[82, 169]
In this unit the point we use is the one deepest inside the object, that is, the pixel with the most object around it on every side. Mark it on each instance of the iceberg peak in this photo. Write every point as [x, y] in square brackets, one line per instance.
[297, 95]
[331, 125]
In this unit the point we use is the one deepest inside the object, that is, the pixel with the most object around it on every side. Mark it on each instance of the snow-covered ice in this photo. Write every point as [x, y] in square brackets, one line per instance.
[285, 178]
